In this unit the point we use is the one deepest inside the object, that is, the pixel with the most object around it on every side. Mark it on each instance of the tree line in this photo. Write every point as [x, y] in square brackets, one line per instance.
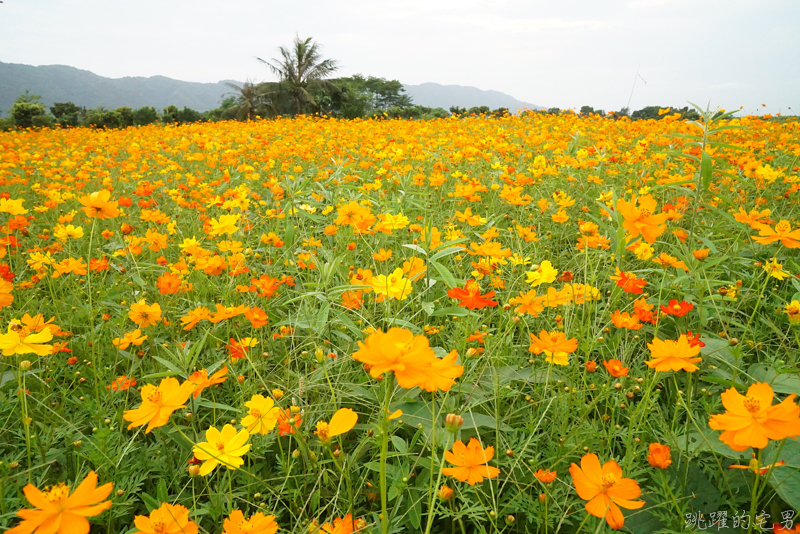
[306, 86]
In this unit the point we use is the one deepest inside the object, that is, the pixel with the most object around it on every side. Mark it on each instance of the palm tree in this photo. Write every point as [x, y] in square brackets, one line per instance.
[300, 67]
[249, 98]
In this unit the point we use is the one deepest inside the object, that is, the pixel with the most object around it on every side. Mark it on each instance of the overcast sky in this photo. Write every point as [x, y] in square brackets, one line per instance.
[554, 54]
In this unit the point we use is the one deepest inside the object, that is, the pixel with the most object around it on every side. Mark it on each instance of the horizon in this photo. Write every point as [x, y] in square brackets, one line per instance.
[584, 54]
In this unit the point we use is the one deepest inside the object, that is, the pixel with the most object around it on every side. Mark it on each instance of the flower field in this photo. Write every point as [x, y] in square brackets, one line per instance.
[537, 323]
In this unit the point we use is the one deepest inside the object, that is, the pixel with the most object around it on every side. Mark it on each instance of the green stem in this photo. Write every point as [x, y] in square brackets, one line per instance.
[754, 494]
[389, 379]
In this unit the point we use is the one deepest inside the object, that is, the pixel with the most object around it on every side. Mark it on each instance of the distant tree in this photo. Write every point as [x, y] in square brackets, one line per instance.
[145, 115]
[169, 115]
[188, 115]
[455, 110]
[66, 113]
[216, 114]
[126, 117]
[301, 66]
[43, 121]
[25, 108]
[103, 118]
[587, 110]
[624, 112]
[553, 111]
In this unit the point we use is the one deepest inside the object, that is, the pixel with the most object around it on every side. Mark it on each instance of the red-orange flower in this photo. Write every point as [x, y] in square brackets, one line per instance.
[470, 296]
[470, 461]
[544, 476]
[629, 282]
[605, 489]
[677, 309]
[288, 421]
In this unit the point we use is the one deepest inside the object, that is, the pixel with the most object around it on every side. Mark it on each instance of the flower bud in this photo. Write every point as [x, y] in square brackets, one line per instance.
[277, 394]
[453, 422]
[445, 493]
[24, 365]
[194, 470]
[295, 454]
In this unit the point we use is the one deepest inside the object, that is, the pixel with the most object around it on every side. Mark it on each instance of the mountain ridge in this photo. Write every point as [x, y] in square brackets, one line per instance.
[63, 83]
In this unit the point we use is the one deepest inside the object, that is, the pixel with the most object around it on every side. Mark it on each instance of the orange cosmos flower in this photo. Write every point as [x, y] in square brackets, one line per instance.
[626, 320]
[470, 296]
[257, 317]
[238, 349]
[98, 205]
[659, 456]
[144, 314]
[158, 403]
[783, 232]
[752, 420]
[341, 525]
[629, 282]
[169, 284]
[288, 421]
[555, 345]
[122, 383]
[257, 524]
[352, 300]
[470, 461]
[616, 368]
[528, 303]
[168, 519]
[605, 489]
[640, 219]
[409, 357]
[58, 512]
[671, 355]
[134, 337]
[201, 380]
[342, 421]
[544, 476]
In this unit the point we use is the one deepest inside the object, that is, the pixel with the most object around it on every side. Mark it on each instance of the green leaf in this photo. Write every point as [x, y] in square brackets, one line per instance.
[446, 276]
[399, 444]
[446, 252]
[150, 502]
[781, 383]
[456, 311]
[705, 170]
[416, 248]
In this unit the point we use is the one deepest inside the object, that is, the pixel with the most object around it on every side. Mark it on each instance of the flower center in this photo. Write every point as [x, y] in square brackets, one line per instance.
[245, 527]
[752, 404]
[220, 446]
[57, 493]
[608, 480]
[155, 396]
[782, 227]
[645, 213]
[158, 526]
[473, 288]
[255, 413]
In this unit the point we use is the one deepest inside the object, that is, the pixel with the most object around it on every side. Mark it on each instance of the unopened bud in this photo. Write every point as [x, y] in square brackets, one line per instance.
[453, 422]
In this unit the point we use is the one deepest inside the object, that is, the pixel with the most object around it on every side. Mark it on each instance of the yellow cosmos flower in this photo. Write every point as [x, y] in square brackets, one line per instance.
[544, 274]
[20, 340]
[394, 286]
[144, 314]
[224, 447]
[12, 207]
[342, 421]
[262, 415]
[134, 337]
[158, 403]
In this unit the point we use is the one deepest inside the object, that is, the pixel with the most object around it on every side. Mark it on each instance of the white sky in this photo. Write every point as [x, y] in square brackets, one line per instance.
[564, 54]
